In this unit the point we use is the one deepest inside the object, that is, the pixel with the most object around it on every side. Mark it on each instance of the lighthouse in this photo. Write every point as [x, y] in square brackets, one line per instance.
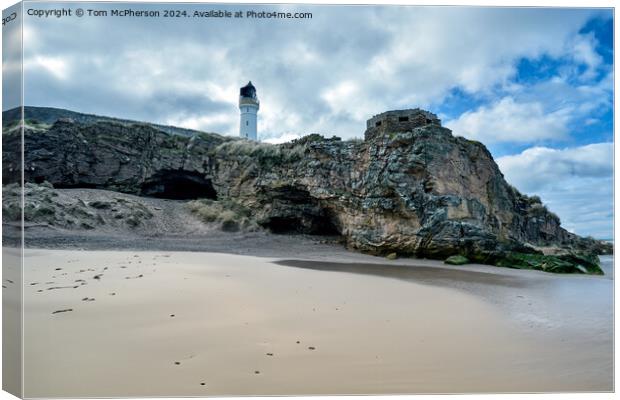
[248, 107]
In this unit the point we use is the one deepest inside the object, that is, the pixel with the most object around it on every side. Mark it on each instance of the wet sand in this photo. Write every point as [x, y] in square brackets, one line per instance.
[147, 323]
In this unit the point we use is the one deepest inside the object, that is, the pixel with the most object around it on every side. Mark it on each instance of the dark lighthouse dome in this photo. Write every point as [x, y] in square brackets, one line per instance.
[248, 91]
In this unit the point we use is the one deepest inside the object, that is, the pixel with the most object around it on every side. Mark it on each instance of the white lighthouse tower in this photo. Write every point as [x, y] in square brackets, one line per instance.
[248, 106]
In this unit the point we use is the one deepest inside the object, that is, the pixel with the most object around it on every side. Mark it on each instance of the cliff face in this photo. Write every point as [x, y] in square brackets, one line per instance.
[417, 191]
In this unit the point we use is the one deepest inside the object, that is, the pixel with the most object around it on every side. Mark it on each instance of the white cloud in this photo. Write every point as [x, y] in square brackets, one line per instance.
[57, 66]
[540, 167]
[509, 121]
[328, 74]
[576, 183]
[583, 48]
[287, 137]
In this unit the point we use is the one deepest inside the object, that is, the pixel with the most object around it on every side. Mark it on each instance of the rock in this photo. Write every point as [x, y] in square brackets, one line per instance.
[568, 263]
[392, 256]
[456, 260]
[390, 193]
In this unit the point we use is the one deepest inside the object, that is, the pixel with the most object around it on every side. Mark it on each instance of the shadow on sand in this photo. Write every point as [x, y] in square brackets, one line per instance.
[417, 274]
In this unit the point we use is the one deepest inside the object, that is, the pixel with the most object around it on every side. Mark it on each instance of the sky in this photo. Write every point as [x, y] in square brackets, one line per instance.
[535, 85]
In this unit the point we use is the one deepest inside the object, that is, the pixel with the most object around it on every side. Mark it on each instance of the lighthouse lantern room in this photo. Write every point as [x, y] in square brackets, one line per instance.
[248, 107]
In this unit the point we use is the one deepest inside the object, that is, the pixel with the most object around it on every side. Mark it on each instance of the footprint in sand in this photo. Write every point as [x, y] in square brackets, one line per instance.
[62, 287]
[88, 299]
[62, 311]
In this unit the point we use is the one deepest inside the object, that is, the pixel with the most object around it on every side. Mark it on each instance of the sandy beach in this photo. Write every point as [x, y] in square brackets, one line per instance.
[147, 323]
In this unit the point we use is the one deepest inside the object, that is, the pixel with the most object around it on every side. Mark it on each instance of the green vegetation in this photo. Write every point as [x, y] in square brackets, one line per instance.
[266, 155]
[32, 124]
[456, 260]
[565, 263]
[229, 215]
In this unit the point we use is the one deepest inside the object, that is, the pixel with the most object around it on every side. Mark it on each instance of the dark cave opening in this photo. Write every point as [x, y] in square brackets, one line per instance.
[179, 185]
[282, 225]
[308, 224]
[295, 210]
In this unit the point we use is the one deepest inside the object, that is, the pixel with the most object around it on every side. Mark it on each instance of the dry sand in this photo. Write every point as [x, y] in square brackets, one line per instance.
[198, 324]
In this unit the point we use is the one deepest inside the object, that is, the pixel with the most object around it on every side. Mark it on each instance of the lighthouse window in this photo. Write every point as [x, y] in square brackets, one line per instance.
[246, 123]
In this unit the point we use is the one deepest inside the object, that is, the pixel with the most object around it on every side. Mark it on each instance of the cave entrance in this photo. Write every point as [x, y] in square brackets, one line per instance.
[309, 224]
[179, 185]
[295, 210]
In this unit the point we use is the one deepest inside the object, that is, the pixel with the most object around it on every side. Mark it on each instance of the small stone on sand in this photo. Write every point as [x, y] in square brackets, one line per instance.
[311, 348]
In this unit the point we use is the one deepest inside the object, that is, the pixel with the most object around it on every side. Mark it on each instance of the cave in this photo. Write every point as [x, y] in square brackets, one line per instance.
[179, 185]
[320, 224]
[295, 210]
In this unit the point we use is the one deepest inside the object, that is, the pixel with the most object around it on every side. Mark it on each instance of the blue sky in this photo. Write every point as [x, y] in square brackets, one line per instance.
[533, 84]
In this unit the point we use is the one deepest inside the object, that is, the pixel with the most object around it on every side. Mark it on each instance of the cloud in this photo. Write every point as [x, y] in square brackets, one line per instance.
[57, 67]
[328, 74]
[576, 183]
[287, 137]
[509, 121]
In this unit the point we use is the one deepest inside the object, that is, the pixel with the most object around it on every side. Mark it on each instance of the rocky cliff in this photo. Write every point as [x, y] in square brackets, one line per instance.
[410, 188]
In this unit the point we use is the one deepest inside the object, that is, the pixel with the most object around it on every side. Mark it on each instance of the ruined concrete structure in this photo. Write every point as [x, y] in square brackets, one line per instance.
[399, 121]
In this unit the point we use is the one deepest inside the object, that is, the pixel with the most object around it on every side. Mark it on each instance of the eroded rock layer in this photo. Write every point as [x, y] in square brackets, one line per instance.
[415, 190]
